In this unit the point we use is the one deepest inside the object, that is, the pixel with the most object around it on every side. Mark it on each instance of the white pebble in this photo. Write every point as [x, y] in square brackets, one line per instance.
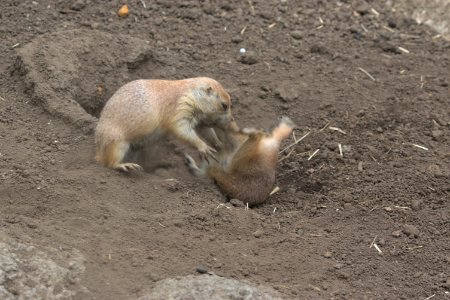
[242, 50]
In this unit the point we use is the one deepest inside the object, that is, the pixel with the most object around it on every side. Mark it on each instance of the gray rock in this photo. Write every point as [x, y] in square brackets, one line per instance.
[437, 134]
[287, 92]
[297, 34]
[249, 58]
[27, 273]
[206, 287]
[411, 230]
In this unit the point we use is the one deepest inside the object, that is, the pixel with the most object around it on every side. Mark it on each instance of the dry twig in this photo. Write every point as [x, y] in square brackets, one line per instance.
[367, 73]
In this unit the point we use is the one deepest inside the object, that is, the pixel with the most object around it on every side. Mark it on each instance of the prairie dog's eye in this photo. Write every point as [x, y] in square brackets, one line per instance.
[224, 106]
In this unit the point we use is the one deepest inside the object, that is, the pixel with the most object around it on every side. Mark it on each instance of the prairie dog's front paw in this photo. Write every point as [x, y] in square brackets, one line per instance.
[207, 151]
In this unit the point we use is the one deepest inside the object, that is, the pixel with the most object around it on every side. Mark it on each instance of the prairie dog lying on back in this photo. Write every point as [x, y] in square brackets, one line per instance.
[141, 108]
[246, 169]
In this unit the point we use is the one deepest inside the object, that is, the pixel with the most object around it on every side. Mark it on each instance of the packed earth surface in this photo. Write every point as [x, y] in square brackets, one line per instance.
[362, 205]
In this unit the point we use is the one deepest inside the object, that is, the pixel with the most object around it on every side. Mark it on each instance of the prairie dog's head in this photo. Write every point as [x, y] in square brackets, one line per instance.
[213, 104]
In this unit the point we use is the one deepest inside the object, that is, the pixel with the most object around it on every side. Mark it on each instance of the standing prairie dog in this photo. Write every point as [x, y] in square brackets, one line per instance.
[246, 169]
[142, 108]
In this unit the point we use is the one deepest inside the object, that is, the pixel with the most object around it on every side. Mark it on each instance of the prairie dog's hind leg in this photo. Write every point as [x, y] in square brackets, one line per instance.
[113, 155]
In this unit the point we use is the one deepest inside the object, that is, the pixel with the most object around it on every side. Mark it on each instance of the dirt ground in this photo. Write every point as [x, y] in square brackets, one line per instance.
[363, 208]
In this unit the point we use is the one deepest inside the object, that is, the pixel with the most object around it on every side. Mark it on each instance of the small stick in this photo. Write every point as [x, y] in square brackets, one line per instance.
[312, 155]
[402, 207]
[337, 129]
[109, 256]
[421, 147]
[272, 25]
[274, 210]
[373, 242]
[246, 206]
[364, 28]
[251, 6]
[367, 73]
[325, 127]
[319, 27]
[320, 20]
[3, 99]
[378, 249]
[143, 4]
[375, 12]
[388, 29]
[295, 138]
[422, 81]
[403, 49]
[340, 150]
[161, 225]
[15, 45]
[275, 190]
[296, 142]
[289, 154]
[428, 298]
[243, 30]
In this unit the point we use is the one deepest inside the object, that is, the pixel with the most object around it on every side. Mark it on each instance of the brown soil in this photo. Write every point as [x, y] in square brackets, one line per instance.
[305, 59]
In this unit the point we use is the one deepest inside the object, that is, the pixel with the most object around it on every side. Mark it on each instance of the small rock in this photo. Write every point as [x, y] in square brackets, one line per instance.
[248, 58]
[396, 233]
[388, 47]
[95, 25]
[237, 39]
[258, 233]
[78, 5]
[362, 8]
[338, 266]
[287, 93]
[201, 270]
[327, 254]
[237, 203]
[319, 49]
[297, 34]
[416, 204]
[360, 166]
[388, 208]
[411, 230]
[437, 134]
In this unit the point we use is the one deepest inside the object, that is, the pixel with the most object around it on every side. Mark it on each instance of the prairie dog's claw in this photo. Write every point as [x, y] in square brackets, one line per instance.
[128, 167]
[208, 152]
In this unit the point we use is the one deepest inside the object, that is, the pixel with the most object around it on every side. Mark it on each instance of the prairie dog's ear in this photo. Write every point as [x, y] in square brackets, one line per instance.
[209, 90]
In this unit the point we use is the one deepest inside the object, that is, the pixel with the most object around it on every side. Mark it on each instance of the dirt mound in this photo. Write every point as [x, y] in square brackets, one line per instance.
[75, 71]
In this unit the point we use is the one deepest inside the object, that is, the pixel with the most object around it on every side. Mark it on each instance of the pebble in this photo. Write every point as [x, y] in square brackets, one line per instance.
[416, 204]
[396, 233]
[201, 270]
[237, 203]
[437, 134]
[297, 34]
[327, 254]
[411, 230]
[78, 5]
[258, 233]
[249, 58]
[360, 166]
[237, 39]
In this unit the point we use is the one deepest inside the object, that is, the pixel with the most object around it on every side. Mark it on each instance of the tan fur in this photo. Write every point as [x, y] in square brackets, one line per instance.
[143, 108]
[246, 170]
